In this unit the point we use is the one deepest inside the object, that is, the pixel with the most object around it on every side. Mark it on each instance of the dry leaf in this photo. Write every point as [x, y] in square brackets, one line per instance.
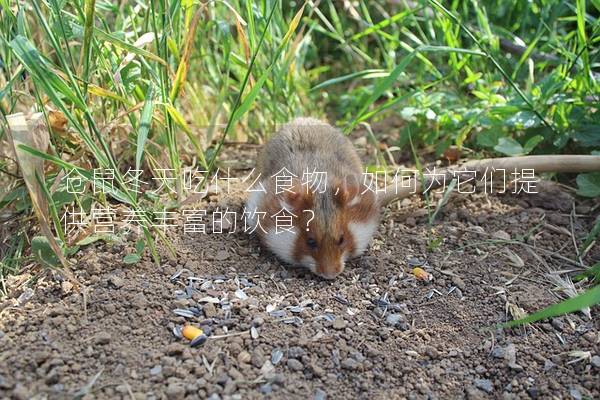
[57, 120]
[33, 133]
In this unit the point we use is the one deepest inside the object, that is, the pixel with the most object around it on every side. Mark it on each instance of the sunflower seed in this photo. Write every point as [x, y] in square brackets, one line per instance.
[341, 299]
[209, 299]
[177, 274]
[276, 356]
[198, 340]
[293, 320]
[177, 331]
[184, 313]
[240, 294]
[277, 313]
[254, 332]
[415, 262]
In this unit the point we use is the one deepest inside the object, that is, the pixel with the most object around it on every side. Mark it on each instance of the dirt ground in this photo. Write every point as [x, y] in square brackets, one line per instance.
[280, 332]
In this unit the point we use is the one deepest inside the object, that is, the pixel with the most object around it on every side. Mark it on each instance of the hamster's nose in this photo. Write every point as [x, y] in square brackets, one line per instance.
[330, 273]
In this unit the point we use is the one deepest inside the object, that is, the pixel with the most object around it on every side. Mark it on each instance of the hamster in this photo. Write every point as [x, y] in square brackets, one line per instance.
[329, 212]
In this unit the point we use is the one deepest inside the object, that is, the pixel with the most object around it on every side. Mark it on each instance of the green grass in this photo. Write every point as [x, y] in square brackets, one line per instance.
[161, 83]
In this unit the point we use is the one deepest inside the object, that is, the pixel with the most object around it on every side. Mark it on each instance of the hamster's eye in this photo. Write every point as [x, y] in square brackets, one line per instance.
[341, 240]
[312, 243]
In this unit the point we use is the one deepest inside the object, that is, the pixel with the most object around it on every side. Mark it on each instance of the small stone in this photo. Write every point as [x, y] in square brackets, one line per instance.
[393, 319]
[210, 311]
[294, 364]
[174, 349]
[502, 235]
[484, 384]
[116, 281]
[432, 352]
[20, 392]
[320, 395]
[4, 384]
[156, 370]
[498, 352]
[266, 388]
[397, 321]
[576, 394]
[533, 392]
[595, 361]
[317, 370]
[66, 286]
[548, 365]
[339, 324]
[295, 352]
[175, 391]
[558, 324]
[459, 283]
[222, 255]
[591, 337]
[102, 338]
[350, 364]
[258, 321]
[257, 359]
[244, 357]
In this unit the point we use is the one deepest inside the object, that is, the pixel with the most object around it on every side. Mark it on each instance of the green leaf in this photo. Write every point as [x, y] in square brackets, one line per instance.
[583, 300]
[382, 85]
[588, 184]
[509, 146]
[94, 238]
[588, 135]
[489, 138]
[131, 259]
[532, 143]
[592, 272]
[43, 253]
[139, 247]
[523, 120]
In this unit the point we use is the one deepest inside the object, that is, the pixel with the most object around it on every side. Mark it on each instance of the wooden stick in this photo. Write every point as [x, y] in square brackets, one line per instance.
[552, 163]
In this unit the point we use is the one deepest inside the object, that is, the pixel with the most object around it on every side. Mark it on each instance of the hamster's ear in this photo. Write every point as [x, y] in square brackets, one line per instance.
[347, 193]
[296, 199]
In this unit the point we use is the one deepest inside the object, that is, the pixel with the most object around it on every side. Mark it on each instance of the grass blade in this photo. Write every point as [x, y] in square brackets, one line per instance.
[145, 123]
[588, 298]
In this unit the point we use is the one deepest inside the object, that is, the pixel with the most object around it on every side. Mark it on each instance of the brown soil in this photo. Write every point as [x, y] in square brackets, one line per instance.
[375, 332]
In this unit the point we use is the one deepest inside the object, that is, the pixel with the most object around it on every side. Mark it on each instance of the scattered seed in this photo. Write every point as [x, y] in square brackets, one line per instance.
[422, 275]
[277, 313]
[200, 339]
[326, 317]
[209, 299]
[276, 356]
[254, 332]
[415, 262]
[296, 309]
[190, 332]
[184, 313]
[240, 294]
[177, 331]
[178, 274]
[293, 320]
[339, 298]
